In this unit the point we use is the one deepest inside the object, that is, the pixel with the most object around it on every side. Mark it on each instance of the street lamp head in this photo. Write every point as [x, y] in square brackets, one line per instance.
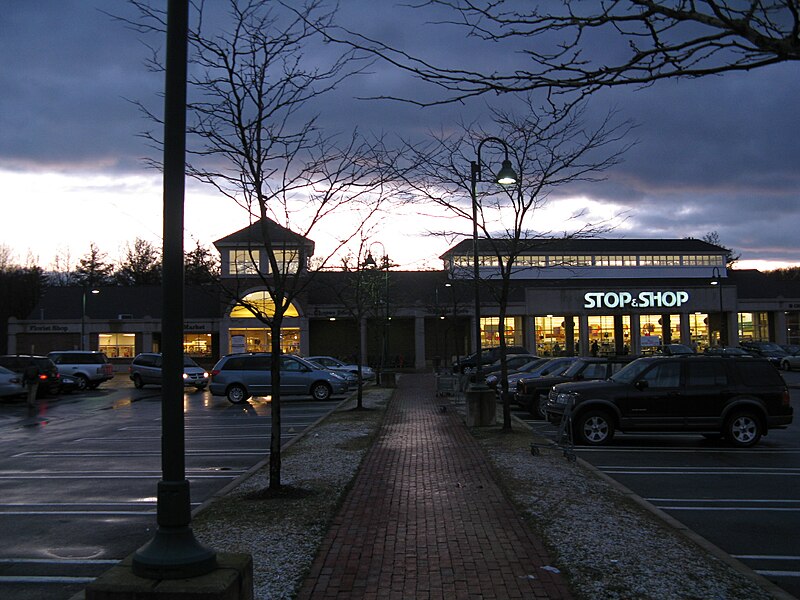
[369, 261]
[507, 175]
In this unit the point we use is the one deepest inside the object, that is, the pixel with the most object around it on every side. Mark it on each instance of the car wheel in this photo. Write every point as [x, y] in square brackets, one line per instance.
[786, 366]
[321, 391]
[93, 385]
[237, 394]
[743, 429]
[137, 381]
[593, 428]
[82, 382]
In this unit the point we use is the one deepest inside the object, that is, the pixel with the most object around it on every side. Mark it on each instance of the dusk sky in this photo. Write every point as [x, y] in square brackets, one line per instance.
[717, 154]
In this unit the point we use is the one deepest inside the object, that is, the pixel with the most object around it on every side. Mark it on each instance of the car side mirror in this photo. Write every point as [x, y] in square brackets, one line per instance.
[641, 384]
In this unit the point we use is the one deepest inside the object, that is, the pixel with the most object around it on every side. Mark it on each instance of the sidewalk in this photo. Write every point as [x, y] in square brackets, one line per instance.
[425, 518]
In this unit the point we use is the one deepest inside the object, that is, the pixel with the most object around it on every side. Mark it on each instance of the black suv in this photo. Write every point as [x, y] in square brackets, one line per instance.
[531, 393]
[488, 356]
[49, 379]
[740, 399]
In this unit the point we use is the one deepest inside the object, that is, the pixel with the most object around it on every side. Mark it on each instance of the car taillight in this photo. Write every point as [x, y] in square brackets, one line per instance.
[215, 372]
[786, 400]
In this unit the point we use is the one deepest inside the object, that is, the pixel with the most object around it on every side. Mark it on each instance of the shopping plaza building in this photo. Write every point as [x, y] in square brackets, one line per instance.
[566, 296]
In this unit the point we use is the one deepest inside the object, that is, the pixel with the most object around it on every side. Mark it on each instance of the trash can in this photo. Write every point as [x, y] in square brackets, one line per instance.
[481, 406]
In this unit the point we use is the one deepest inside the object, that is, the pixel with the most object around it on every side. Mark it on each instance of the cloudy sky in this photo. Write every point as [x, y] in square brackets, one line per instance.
[718, 154]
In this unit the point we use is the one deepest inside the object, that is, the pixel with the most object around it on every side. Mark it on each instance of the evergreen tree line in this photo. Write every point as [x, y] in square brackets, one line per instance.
[141, 265]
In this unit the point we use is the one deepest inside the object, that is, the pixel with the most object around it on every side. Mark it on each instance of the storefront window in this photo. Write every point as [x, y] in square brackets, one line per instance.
[700, 334]
[197, 344]
[601, 335]
[553, 337]
[118, 345]
[260, 340]
[753, 327]
[490, 331]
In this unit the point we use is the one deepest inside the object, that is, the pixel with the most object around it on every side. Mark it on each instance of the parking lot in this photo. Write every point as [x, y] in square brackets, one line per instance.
[78, 479]
[745, 501]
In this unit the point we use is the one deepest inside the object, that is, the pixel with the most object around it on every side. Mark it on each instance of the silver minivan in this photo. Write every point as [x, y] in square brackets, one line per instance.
[146, 369]
[240, 376]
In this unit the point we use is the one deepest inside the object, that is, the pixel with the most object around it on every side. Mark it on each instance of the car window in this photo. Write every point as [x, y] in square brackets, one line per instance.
[757, 373]
[290, 364]
[595, 371]
[630, 372]
[704, 373]
[663, 375]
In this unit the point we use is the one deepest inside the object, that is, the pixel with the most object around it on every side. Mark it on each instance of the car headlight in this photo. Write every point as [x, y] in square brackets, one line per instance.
[565, 398]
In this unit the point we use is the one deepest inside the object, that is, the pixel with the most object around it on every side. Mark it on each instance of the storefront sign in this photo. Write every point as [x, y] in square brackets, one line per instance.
[53, 328]
[662, 299]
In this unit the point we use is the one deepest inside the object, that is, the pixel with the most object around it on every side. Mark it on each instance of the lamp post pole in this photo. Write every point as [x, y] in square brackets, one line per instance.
[716, 279]
[173, 553]
[506, 176]
[370, 261]
[83, 316]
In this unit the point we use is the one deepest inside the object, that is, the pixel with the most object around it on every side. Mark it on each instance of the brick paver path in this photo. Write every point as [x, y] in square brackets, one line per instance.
[425, 518]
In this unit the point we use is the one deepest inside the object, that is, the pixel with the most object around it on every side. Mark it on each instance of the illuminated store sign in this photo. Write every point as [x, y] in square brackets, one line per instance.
[640, 300]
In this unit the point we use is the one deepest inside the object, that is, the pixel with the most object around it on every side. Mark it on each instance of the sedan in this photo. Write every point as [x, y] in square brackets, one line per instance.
[336, 365]
[10, 384]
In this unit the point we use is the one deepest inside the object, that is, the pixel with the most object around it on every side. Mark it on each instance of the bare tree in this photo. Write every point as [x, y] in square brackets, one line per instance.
[256, 81]
[642, 41]
[549, 148]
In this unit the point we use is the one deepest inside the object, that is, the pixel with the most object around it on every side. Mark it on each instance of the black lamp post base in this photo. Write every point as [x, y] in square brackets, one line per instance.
[173, 553]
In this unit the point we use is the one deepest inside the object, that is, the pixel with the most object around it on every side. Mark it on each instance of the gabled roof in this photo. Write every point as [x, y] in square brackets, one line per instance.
[590, 245]
[252, 236]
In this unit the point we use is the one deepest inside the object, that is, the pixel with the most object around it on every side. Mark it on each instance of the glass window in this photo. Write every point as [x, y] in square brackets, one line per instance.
[601, 335]
[698, 328]
[664, 375]
[262, 303]
[243, 262]
[753, 327]
[118, 345]
[288, 260]
[490, 331]
[259, 339]
[705, 374]
[553, 337]
[197, 344]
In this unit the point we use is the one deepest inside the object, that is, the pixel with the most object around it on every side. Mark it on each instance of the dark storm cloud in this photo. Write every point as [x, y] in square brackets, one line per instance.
[717, 154]
[66, 73]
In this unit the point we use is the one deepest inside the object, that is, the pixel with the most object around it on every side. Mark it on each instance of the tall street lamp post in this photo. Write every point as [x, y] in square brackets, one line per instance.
[370, 262]
[83, 316]
[173, 553]
[716, 280]
[506, 176]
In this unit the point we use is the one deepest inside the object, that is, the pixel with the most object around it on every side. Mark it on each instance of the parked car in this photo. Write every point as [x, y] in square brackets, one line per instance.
[240, 376]
[89, 368]
[544, 367]
[49, 379]
[531, 392]
[726, 351]
[10, 384]
[336, 365]
[790, 362]
[674, 349]
[740, 399]
[349, 376]
[769, 350]
[146, 369]
[488, 356]
[493, 380]
[513, 362]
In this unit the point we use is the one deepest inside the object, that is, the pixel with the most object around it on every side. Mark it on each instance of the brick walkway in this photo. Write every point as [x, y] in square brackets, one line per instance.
[425, 518]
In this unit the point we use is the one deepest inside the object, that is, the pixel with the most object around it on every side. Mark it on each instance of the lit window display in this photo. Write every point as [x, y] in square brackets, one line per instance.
[490, 331]
[753, 327]
[553, 337]
[260, 340]
[601, 335]
[118, 345]
[698, 328]
[197, 344]
[793, 327]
